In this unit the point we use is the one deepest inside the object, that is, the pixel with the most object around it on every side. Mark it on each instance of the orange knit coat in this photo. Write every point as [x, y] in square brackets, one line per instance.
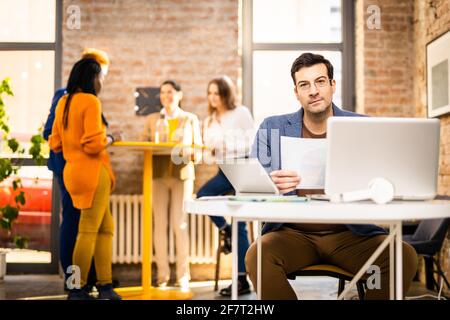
[84, 144]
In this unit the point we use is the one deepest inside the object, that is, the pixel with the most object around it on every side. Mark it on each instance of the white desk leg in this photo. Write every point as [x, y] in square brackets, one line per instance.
[391, 264]
[399, 261]
[258, 262]
[234, 267]
[368, 263]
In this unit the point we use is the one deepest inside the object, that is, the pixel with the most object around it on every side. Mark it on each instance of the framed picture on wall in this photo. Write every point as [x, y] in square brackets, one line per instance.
[147, 100]
[438, 67]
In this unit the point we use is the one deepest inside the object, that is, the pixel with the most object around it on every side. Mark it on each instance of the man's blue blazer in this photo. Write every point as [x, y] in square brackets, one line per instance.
[266, 148]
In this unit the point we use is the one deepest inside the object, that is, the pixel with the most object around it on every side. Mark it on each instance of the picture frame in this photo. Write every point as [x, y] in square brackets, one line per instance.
[147, 101]
[438, 75]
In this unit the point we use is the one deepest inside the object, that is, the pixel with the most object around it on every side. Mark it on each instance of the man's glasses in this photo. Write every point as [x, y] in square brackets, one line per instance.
[319, 83]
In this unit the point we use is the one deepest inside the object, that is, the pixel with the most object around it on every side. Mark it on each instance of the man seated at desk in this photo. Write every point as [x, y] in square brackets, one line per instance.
[289, 247]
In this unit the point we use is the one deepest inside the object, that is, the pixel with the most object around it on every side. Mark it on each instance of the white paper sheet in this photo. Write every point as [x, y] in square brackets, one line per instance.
[307, 157]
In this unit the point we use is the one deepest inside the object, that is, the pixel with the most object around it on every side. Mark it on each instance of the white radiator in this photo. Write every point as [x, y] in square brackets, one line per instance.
[126, 211]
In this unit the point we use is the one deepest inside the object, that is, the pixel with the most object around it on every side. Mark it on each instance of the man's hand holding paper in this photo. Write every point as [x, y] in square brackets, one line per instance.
[285, 180]
[306, 158]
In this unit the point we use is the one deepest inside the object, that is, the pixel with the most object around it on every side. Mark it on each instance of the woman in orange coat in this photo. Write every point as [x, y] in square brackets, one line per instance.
[80, 131]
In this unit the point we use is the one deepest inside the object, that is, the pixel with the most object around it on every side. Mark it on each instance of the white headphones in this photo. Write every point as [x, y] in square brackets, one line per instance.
[380, 190]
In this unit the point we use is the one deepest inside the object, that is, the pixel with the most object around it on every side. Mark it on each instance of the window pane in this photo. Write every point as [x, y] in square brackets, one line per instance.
[34, 221]
[273, 88]
[290, 21]
[27, 20]
[32, 81]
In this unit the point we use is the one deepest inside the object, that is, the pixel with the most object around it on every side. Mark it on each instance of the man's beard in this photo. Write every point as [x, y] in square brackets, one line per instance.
[319, 112]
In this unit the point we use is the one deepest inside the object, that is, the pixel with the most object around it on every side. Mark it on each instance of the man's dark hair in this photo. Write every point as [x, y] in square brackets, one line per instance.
[310, 59]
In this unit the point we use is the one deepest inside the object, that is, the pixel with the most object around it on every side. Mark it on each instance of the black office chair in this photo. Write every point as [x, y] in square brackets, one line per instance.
[427, 240]
[331, 271]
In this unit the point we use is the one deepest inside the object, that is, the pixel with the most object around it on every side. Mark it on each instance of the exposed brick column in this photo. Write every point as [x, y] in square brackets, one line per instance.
[385, 59]
[431, 19]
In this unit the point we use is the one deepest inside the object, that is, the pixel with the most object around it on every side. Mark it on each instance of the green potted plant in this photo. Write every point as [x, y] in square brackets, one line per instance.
[9, 167]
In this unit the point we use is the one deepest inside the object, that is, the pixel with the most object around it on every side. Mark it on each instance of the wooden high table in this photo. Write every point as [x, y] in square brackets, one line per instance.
[146, 291]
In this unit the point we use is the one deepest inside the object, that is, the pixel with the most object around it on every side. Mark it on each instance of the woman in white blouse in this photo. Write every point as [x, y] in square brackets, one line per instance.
[228, 133]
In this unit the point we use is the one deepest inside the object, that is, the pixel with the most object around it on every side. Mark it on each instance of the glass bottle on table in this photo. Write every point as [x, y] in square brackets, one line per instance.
[162, 130]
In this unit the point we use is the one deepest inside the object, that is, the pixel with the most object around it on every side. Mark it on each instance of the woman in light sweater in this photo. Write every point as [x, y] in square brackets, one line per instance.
[228, 133]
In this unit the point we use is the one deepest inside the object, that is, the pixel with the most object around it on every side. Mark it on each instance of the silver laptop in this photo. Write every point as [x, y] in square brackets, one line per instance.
[249, 178]
[404, 151]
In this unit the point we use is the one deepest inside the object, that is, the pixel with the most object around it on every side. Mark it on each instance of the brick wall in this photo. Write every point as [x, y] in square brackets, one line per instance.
[149, 42]
[431, 19]
[384, 59]
[391, 69]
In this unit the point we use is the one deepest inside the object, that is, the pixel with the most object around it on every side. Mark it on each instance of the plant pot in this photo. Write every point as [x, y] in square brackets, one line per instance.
[2, 265]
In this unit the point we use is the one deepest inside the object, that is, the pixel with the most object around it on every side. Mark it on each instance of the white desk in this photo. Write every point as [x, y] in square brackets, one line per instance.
[364, 212]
